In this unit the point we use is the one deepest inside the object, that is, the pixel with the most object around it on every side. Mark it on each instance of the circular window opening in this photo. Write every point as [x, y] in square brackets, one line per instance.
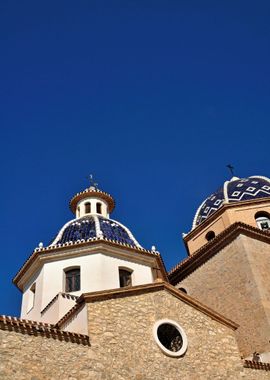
[170, 337]
[210, 235]
[183, 290]
[263, 220]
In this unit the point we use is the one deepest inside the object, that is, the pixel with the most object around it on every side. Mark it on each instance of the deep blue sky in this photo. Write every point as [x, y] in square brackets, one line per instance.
[152, 97]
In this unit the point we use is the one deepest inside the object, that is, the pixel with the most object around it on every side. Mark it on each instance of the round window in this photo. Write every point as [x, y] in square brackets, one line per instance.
[170, 337]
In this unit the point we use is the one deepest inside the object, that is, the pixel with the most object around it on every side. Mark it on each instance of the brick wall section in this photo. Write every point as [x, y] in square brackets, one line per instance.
[235, 282]
[122, 346]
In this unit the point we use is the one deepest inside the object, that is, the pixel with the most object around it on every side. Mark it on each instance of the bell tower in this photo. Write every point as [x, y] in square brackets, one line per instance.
[229, 259]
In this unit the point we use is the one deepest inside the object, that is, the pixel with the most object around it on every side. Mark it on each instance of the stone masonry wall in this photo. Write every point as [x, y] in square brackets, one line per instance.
[121, 334]
[29, 357]
[123, 348]
[235, 282]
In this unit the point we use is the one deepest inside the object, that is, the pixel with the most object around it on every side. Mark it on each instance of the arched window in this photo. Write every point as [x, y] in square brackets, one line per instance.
[125, 277]
[98, 208]
[210, 235]
[263, 220]
[72, 280]
[78, 211]
[87, 208]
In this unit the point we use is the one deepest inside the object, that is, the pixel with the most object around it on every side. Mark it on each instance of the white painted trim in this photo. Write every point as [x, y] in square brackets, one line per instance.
[99, 233]
[225, 191]
[182, 333]
[197, 213]
[260, 176]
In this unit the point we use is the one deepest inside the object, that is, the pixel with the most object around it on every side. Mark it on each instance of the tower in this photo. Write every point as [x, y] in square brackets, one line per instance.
[229, 259]
[89, 253]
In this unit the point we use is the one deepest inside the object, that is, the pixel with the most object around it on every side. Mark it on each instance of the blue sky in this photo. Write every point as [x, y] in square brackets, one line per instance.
[154, 98]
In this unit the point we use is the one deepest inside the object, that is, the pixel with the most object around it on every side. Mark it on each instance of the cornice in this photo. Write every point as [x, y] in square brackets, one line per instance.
[95, 245]
[188, 265]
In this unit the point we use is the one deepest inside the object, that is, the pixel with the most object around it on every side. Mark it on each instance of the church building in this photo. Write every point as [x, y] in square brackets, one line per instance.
[97, 305]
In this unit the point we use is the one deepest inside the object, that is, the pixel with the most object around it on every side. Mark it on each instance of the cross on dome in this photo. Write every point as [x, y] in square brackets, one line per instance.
[92, 182]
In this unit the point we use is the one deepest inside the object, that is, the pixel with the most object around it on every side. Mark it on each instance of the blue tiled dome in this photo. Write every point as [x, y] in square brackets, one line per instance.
[235, 190]
[95, 226]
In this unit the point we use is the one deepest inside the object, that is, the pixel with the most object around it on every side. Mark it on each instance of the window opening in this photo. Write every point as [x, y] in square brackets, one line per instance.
[210, 235]
[72, 280]
[170, 337]
[183, 290]
[98, 208]
[124, 278]
[87, 208]
[263, 220]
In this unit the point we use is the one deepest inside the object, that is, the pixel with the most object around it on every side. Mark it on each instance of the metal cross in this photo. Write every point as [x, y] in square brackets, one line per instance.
[92, 182]
[231, 168]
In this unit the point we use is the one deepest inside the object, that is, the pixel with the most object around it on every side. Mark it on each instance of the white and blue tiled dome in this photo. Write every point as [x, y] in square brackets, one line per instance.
[92, 227]
[235, 190]
[91, 208]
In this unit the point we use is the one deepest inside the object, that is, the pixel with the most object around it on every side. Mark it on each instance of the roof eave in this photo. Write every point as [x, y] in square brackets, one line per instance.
[186, 267]
[96, 243]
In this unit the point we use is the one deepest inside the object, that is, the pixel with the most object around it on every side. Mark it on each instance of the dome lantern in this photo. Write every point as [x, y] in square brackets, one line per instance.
[92, 201]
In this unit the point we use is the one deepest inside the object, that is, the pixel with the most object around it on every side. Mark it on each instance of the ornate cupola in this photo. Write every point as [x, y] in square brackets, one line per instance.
[91, 252]
[92, 201]
[92, 208]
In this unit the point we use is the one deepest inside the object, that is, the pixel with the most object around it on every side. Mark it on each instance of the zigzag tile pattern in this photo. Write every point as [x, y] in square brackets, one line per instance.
[249, 188]
[236, 190]
[210, 205]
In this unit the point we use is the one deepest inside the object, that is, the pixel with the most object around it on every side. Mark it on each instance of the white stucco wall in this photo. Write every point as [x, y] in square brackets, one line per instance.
[78, 323]
[34, 312]
[57, 309]
[98, 271]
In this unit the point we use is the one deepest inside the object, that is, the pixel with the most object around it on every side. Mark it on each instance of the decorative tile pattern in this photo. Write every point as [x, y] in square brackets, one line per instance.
[240, 189]
[251, 189]
[113, 231]
[85, 228]
[210, 205]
